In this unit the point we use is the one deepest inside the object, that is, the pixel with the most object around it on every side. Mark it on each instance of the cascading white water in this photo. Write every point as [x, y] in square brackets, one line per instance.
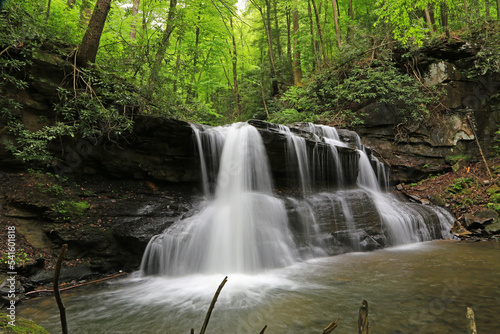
[297, 159]
[209, 142]
[245, 228]
[367, 177]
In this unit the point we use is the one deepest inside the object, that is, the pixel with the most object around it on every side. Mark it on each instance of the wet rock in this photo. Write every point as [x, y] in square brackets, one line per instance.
[10, 289]
[76, 273]
[493, 228]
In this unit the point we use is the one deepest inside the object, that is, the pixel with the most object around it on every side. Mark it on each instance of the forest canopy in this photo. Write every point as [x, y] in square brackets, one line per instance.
[222, 61]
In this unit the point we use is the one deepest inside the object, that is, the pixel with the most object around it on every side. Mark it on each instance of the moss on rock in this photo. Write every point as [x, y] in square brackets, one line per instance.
[23, 326]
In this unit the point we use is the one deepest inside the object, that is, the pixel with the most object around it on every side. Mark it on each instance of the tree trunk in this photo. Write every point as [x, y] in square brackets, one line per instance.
[47, 14]
[444, 19]
[297, 70]
[235, 73]
[160, 54]
[350, 32]
[274, 79]
[320, 33]
[466, 10]
[498, 10]
[288, 33]
[428, 20]
[177, 63]
[336, 21]
[133, 26]
[313, 40]
[267, 28]
[277, 27]
[487, 8]
[87, 51]
[189, 93]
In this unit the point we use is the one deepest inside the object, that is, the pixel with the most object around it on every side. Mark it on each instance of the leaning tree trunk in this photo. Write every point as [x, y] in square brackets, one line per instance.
[336, 21]
[90, 43]
[297, 70]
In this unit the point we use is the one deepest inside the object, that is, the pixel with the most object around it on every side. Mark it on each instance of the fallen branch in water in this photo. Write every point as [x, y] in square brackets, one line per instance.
[328, 329]
[210, 309]
[263, 330]
[76, 285]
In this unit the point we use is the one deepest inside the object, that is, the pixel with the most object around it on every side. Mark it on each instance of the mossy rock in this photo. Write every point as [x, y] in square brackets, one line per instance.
[493, 190]
[437, 200]
[23, 326]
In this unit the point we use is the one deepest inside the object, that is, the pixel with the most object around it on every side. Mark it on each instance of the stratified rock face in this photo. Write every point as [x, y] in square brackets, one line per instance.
[160, 149]
[430, 147]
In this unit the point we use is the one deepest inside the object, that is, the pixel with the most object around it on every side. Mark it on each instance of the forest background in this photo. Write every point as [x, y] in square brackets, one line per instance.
[219, 61]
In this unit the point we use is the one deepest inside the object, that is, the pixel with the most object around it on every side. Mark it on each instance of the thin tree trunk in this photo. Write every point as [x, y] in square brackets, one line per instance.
[133, 26]
[177, 63]
[288, 33]
[297, 70]
[466, 10]
[235, 73]
[47, 14]
[160, 54]
[87, 50]
[444, 19]
[277, 27]
[487, 8]
[428, 20]
[313, 40]
[320, 33]
[350, 32]
[336, 21]
[274, 80]
[267, 28]
[498, 10]
[189, 93]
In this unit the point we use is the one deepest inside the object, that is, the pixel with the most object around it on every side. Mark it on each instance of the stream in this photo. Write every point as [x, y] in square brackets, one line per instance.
[417, 288]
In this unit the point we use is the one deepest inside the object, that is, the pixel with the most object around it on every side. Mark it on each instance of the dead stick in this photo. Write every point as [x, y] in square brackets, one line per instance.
[328, 329]
[210, 309]
[76, 286]
[62, 309]
[471, 322]
[479, 146]
[263, 330]
[363, 318]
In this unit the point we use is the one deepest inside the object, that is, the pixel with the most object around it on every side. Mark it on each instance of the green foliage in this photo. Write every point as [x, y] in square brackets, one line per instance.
[72, 208]
[494, 206]
[20, 258]
[339, 99]
[460, 185]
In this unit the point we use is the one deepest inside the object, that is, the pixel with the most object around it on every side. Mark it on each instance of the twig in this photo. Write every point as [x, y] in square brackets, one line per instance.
[471, 322]
[62, 309]
[210, 309]
[479, 146]
[363, 324]
[76, 285]
[328, 329]
[263, 330]
[5, 50]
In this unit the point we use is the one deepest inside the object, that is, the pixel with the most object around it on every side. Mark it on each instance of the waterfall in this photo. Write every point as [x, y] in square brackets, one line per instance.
[243, 229]
[244, 226]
